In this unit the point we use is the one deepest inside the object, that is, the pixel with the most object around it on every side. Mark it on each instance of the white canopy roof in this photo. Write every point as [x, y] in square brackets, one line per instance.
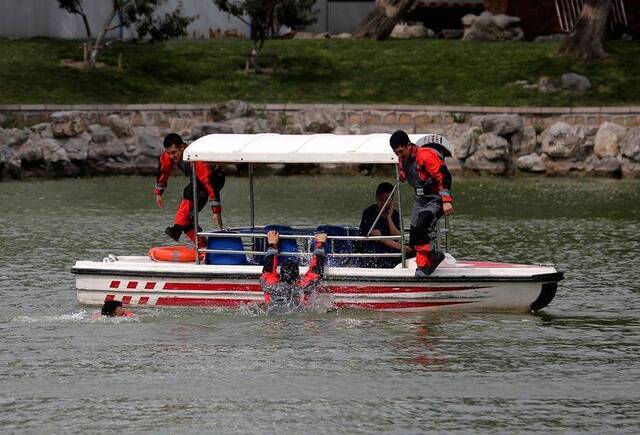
[287, 148]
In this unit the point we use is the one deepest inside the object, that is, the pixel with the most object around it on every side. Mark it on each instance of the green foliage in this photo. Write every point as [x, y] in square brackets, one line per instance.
[315, 71]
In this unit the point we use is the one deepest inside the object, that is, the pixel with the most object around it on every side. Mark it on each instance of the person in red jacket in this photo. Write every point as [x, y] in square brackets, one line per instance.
[424, 168]
[286, 290]
[210, 179]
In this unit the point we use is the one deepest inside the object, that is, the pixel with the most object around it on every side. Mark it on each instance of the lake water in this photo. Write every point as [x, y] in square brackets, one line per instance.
[574, 367]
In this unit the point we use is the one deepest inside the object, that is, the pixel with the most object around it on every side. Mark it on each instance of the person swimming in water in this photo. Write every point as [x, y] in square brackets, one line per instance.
[287, 291]
[115, 309]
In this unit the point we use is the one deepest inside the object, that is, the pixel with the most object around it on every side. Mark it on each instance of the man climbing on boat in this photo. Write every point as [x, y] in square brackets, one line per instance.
[423, 167]
[286, 290]
[210, 179]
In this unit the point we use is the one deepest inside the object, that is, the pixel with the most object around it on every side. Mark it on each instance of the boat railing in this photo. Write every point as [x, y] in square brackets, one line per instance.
[298, 237]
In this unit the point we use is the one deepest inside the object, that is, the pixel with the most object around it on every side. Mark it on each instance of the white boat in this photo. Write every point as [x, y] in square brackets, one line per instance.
[230, 276]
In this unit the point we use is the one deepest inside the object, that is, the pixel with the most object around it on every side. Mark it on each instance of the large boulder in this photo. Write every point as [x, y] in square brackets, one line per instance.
[77, 148]
[478, 163]
[531, 163]
[407, 31]
[467, 143]
[575, 82]
[630, 169]
[121, 127]
[492, 146]
[104, 143]
[231, 109]
[201, 130]
[10, 163]
[42, 150]
[489, 27]
[607, 142]
[14, 137]
[68, 124]
[146, 143]
[630, 144]
[489, 156]
[524, 142]
[502, 125]
[561, 140]
[607, 166]
[319, 122]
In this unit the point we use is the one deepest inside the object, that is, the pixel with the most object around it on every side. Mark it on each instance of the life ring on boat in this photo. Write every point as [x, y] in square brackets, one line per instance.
[179, 253]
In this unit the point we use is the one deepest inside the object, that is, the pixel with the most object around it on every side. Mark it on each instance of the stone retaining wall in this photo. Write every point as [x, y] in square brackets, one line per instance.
[57, 141]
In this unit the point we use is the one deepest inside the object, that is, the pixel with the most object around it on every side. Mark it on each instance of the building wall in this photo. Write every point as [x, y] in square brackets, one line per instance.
[33, 18]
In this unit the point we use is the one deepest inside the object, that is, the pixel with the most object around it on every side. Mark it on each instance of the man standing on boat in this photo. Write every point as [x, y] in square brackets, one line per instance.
[286, 290]
[424, 168]
[210, 181]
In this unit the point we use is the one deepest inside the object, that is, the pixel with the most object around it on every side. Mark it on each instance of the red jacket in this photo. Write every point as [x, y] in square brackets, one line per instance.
[430, 168]
[270, 279]
[203, 174]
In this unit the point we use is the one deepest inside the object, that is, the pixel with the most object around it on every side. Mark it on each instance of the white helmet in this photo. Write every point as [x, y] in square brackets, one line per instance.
[438, 140]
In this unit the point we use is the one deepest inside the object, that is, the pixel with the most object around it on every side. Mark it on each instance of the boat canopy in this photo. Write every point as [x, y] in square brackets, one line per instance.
[289, 148]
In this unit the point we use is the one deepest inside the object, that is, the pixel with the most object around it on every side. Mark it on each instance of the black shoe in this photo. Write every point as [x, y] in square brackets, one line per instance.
[173, 232]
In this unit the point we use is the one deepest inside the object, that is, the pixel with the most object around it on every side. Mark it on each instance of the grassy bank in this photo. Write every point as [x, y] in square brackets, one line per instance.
[319, 71]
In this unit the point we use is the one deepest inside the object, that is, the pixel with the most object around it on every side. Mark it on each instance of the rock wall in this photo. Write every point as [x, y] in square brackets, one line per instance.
[58, 141]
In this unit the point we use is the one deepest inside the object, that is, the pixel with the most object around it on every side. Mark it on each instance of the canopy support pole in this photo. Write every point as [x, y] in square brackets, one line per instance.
[252, 216]
[194, 183]
[404, 255]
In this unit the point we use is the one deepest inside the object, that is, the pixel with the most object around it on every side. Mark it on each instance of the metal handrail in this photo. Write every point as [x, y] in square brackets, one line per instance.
[302, 254]
[298, 236]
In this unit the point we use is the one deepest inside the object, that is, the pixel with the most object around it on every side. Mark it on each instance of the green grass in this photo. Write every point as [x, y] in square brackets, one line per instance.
[318, 71]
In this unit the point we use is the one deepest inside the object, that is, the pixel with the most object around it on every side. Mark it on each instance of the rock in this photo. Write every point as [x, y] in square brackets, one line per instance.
[630, 144]
[342, 36]
[492, 146]
[10, 164]
[406, 31]
[607, 166]
[146, 164]
[478, 163]
[524, 141]
[77, 148]
[249, 125]
[503, 125]
[630, 169]
[42, 130]
[14, 137]
[489, 27]
[231, 109]
[121, 127]
[561, 140]
[47, 150]
[608, 138]
[531, 163]
[468, 143]
[563, 167]
[68, 124]
[575, 82]
[201, 130]
[147, 144]
[104, 143]
[319, 122]
[556, 37]
[548, 84]
[450, 34]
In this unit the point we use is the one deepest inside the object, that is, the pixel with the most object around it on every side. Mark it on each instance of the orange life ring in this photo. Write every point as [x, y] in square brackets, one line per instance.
[178, 253]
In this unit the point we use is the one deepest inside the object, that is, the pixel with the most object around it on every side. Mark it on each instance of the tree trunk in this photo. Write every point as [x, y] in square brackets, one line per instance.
[101, 34]
[585, 41]
[381, 21]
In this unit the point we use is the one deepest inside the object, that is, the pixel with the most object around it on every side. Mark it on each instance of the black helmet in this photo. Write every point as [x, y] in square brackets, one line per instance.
[289, 272]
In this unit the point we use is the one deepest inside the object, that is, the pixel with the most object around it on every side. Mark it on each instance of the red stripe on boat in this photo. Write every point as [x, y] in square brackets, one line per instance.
[126, 299]
[333, 289]
[132, 284]
[109, 298]
[143, 300]
[150, 285]
[396, 305]
[211, 302]
[114, 284]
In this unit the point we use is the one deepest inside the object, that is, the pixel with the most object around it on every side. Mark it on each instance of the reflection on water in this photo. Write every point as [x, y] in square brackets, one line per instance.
[572, 367]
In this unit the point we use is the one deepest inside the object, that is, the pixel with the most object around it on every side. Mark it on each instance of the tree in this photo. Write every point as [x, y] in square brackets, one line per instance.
[585, 40]
[265, 17]
[382, 19]
[136, 14]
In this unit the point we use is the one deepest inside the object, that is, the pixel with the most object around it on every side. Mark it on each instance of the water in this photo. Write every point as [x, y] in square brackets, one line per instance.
[572, 368]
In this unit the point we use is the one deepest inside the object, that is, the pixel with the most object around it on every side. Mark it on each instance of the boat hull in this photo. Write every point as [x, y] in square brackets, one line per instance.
[175, 285]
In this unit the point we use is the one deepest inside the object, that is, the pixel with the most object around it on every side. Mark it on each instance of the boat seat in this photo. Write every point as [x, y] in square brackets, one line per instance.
[226, 244]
